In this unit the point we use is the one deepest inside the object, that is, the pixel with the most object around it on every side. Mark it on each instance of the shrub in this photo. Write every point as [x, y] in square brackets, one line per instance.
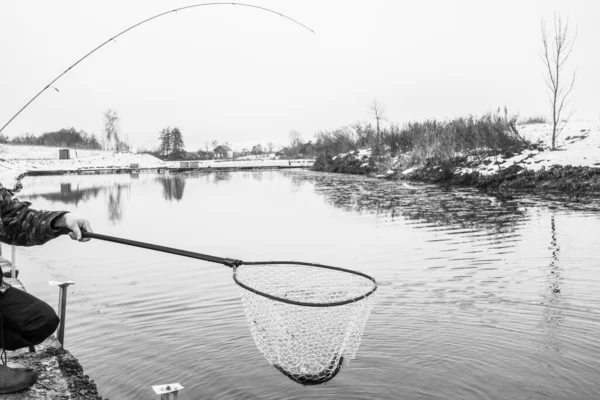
[431, 142]
[533, 120]
[438, 142]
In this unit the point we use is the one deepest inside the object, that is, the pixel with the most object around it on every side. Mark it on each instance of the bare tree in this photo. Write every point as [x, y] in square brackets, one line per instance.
[215, 144]
[270, 146]
[378, 112]
[555, 52]
[295, 138]
[111, 128]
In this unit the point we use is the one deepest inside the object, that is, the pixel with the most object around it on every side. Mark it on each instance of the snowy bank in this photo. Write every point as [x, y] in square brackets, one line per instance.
[15, 161]
[577, 145]
[573, 167]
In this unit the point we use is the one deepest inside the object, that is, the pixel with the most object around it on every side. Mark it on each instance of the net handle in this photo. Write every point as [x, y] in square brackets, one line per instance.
[230, 262]
[234, 263]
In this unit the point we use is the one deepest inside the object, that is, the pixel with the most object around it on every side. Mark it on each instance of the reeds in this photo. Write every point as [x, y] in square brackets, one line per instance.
[431, 142]
[533, 120]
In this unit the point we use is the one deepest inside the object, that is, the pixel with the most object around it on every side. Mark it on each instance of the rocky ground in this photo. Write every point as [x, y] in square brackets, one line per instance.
[61, 376]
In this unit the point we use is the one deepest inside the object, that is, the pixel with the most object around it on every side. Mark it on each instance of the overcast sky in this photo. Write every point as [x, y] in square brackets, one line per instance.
[246, 76]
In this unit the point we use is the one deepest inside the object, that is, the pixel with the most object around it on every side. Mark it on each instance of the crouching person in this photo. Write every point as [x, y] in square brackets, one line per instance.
[24, 319]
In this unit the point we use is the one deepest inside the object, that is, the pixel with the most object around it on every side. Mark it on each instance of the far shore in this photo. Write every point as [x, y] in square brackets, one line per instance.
[572, 169]
[19, 161]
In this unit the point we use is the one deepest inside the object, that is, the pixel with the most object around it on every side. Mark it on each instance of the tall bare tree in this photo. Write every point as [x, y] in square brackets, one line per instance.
[295, 138]
[378, 112]
[111, 128]
[555, 53]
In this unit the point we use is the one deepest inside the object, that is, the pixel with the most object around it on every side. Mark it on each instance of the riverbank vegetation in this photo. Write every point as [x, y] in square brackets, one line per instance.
[430, 142]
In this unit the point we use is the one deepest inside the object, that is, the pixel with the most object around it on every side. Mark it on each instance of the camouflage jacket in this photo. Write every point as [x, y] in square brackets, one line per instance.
[22, 226]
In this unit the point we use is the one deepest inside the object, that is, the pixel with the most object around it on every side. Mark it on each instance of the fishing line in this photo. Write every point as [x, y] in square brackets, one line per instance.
[113, 38]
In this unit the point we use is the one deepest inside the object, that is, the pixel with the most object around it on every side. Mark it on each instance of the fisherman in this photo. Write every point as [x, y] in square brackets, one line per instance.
[24, 319]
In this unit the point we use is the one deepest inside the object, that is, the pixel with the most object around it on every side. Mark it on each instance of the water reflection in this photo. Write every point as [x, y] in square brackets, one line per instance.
[67, 194]
[115, 211]
[73, 196]
[173, 186]
[222, 176]
[552, 297]
[425, 203]
[257, 174]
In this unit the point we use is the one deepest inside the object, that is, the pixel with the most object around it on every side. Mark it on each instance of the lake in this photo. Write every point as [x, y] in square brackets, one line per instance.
[478, 298]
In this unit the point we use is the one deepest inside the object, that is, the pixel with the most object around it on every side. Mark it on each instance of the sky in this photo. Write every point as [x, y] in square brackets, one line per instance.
[246, 76]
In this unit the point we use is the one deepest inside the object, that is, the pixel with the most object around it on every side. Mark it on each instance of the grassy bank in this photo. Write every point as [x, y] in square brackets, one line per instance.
[417, 144]
[493, 152]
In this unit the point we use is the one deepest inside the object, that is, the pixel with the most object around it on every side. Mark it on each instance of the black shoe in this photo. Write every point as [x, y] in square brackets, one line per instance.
[16, 379]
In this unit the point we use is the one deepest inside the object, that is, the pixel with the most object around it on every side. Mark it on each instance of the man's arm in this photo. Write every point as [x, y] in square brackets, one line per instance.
[22, 226]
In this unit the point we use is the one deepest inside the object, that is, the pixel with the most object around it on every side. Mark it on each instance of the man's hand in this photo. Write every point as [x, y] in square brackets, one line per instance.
[74, 224]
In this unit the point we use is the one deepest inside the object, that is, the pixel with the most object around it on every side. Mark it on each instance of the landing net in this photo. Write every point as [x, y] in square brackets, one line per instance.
[306, 319]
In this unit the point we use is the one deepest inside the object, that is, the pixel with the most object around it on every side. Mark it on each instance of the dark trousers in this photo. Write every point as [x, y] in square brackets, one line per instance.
[26, 320]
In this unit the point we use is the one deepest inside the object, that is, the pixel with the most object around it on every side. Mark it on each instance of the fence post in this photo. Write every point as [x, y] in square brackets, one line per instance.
[62, 308]
[168, 392]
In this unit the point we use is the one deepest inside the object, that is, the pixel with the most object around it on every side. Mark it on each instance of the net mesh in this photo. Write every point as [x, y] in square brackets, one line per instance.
[308, 343]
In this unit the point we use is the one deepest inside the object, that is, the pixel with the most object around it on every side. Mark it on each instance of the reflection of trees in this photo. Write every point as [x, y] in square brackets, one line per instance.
[552, 297]
[173, 186]
[297, 178]
[68, 195]
[115, 212]
[428, 203]
[193, 174]
[257, 174]
[222, 176]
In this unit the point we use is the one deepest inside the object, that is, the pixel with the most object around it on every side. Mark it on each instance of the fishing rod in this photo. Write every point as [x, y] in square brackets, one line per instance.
[135, 26]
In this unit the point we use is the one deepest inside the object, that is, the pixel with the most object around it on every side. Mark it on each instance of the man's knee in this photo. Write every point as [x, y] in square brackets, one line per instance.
[45, 324]
[50, 323]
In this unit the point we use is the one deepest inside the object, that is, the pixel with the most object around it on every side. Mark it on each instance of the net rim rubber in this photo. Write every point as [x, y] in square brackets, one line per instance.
[301, 303]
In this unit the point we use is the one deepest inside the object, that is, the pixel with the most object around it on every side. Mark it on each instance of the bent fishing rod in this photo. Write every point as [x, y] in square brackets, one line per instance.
[113, 38]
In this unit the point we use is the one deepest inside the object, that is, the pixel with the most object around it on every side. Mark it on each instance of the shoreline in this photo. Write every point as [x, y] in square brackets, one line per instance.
[571, 171]
[568, 180]
[24, 161]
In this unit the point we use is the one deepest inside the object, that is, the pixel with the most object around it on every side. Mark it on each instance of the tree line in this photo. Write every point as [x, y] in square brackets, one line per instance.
[171, 145]
[66, 137]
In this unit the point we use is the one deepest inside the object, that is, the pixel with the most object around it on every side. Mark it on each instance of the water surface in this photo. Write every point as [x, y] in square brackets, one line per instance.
[478, 298]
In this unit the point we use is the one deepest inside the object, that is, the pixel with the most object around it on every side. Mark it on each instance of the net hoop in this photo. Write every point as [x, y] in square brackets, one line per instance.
[302, 303]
